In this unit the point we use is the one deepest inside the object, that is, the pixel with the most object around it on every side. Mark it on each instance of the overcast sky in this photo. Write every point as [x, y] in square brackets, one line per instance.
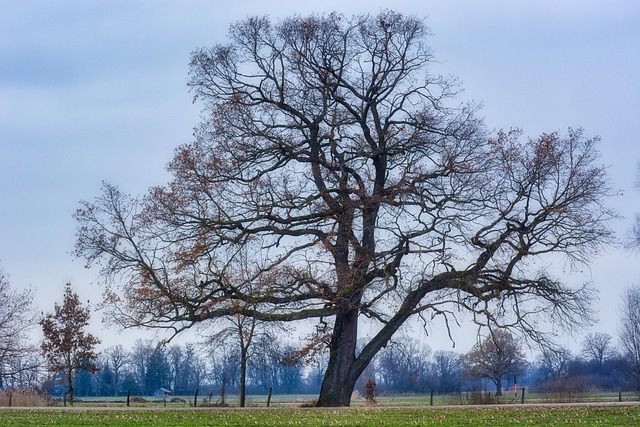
[96, 90]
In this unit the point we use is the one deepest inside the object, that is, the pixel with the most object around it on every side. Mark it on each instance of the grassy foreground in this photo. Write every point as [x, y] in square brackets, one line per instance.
[510, 415]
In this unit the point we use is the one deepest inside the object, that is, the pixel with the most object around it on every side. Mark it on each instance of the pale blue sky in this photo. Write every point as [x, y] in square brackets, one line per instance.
[95, 90]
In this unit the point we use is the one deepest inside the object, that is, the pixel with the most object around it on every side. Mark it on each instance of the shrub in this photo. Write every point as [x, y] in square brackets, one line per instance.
[370, 391]
[474, 397]
[562, 390]
[24, 397]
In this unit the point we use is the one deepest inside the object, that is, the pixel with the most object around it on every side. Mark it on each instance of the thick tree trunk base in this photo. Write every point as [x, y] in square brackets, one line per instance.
[333, 401]
[335, 391]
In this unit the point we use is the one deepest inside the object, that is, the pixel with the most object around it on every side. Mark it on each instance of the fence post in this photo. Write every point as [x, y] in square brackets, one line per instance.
[195, 399]
[10, 396]
[128, 396]
[619, 393]
[523, 390]
[431, 398]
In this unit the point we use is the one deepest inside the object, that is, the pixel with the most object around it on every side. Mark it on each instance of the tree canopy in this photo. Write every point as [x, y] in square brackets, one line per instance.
[334, 160]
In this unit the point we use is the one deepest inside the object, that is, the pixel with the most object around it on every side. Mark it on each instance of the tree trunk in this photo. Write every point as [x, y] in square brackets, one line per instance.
[499, 387]
[344, 369]
[243, 377]
[340, 378]
[70, 386]
[223, 390]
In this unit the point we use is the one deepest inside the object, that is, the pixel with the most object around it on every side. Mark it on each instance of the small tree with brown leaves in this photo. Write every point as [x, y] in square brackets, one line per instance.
[370, 391]
[66, 345]
[497, 356]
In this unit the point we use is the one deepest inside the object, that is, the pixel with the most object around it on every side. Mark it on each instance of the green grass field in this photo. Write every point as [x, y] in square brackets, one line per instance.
[293, 401]
[494, 416]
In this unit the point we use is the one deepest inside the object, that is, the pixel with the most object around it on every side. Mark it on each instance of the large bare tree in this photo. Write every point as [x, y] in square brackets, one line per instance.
[333, 158]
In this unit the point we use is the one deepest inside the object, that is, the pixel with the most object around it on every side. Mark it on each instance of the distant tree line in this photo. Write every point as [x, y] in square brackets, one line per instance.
[405, 366]
[149, 366]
